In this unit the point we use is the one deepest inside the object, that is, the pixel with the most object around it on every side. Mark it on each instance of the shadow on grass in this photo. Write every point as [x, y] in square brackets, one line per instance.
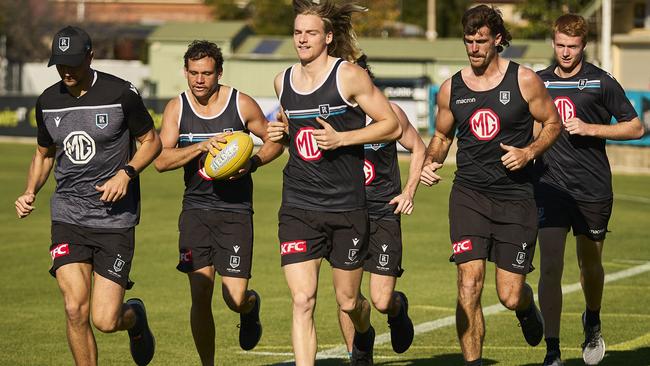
[636, 357]
[449, 359]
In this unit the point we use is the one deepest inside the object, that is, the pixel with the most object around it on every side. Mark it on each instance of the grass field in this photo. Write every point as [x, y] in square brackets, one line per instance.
[32, 325]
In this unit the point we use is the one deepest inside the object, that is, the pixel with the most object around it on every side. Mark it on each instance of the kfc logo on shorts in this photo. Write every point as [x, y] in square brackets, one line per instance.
[293, 247]
[60, 250]
[369, 172]
[306, 144]
[484, 124]
[462, 246]
[185, 256]
[565, 108]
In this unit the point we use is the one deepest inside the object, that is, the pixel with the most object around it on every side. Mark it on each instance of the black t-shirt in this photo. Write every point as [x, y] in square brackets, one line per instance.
[484, 120]
[94, 137]
[314, 179]
[201, 191]
[576, 164]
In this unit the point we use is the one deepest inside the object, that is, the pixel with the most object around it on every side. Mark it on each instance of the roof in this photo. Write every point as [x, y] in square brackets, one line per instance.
[182, 31]
[394, 49]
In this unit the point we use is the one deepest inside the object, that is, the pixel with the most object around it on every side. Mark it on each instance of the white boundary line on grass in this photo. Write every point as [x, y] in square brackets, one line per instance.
[342, 352]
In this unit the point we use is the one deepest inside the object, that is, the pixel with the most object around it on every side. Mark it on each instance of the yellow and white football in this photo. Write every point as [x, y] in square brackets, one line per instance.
[232, 157]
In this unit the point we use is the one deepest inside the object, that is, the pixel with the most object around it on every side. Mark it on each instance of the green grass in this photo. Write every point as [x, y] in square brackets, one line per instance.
[33, 326]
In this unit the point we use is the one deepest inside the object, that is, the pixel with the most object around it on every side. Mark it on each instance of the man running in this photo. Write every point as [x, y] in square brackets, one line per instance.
[492, 215]
[575, 187]
[216, 223]
[88, 123]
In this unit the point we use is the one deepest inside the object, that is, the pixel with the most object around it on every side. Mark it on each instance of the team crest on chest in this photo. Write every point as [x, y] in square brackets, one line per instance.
[582, 83]
[504, 96]
[101, 120]
[64, 43]
[324, 110]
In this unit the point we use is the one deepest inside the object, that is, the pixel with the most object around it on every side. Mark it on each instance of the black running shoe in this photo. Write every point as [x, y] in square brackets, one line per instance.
[532, 325]
[553, 359]
[142, 341]
[250, 327]
[362, 358]
[593, 349]
[401, 327]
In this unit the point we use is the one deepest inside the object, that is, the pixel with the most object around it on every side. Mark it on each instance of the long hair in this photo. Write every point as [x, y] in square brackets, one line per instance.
[337, 18]
[483, 15]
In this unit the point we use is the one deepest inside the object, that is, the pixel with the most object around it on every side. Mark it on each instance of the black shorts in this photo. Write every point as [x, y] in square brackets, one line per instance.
[216, 238]
[110, 251]
[385, 248]
[503, 231]
[339, 237]
[558, 209]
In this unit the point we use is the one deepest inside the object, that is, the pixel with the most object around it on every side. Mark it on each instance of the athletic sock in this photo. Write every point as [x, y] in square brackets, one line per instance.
[363, 340]
[477, 362]
[592, 317]
[552, 345]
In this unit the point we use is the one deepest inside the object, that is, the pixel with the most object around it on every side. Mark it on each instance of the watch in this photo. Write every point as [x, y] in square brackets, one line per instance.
[130, 171]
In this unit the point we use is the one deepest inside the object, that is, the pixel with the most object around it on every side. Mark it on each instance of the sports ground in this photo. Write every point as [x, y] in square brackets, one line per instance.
[32, 323]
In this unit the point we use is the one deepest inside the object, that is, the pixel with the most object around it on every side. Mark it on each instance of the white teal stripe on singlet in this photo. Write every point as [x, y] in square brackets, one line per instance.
[195, 137]
[313, 113]
[589, 84]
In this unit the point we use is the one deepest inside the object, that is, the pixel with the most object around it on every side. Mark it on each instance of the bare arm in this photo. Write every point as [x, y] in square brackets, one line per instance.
[39, 171]
[116, 188]
[356, 85]
[173, 157]
[442, 138]
[257, 124]
[413, 143]
[623, 130]
[278, 131]
[542, 109]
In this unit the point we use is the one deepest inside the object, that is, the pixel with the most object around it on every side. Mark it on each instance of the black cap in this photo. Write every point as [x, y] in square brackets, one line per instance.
[70, 46]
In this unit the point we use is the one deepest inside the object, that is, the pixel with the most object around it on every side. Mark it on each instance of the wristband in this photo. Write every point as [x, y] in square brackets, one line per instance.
[255, 163]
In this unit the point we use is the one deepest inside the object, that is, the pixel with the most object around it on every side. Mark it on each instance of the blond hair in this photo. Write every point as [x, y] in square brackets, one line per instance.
[337, 18]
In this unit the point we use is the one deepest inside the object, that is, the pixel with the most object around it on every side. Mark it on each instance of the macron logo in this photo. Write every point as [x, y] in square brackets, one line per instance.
[293, 247]
[462, 246]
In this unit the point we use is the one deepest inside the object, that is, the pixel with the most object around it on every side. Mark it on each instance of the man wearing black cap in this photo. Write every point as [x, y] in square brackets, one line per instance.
[89, 122]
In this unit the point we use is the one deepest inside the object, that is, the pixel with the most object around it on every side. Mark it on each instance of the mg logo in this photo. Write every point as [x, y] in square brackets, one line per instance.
[484, 124]
[565, 108]
[368, 171]
[79, 147]
[306, 145]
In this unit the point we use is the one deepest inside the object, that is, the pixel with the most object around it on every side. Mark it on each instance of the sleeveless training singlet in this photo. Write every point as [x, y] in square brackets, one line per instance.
[484, 119]
[382, 179]
[201, 192]
[576, 164]
[315, 179]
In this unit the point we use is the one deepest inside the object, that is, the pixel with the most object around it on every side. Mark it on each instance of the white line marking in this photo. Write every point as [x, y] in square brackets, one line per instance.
[342, 352]
[627, 197]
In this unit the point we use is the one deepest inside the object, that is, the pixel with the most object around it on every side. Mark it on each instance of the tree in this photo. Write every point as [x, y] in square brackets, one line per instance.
[272, 17]
[24, 25]
[229, 9]
[540, 15]
[448, 17]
